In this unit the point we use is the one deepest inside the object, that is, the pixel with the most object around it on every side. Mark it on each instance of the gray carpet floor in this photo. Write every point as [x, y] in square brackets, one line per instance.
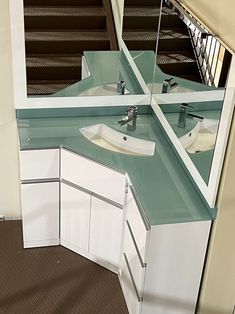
[52, 280]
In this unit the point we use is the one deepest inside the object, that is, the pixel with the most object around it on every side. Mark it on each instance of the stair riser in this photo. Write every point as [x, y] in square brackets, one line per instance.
[146, 22]
[65, 22]
[141, 45]
[144, 3]
[59, 47]
[176, 44]
[178, 69]
[63, 2]
[53, 73]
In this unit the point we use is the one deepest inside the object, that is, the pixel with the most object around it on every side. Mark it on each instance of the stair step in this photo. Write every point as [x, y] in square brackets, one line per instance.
[66, 17]
[43, 67]
[47, 87]
[139, 39]
[49, 42]
[177, 63]
[176, 38]
[64, 2]
[148, 18]
[175, 57]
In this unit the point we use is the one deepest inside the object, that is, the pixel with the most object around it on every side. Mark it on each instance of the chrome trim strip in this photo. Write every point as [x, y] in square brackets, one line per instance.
[143, 265]
[93, 159]
[87, 191]
[141, 209]
[44, 180]
[139, 298]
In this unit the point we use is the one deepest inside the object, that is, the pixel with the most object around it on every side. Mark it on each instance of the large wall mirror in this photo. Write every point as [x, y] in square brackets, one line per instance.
[162, 56]
[191, 94]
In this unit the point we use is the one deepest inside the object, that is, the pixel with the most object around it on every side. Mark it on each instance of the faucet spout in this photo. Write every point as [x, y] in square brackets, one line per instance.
[131, 117]
[184, 114]
[168, 85]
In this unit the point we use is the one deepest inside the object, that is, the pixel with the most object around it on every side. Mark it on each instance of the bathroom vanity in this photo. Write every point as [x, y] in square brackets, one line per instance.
[139, 216]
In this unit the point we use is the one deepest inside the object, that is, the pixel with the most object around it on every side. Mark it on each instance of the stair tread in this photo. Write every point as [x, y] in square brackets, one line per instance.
[53, 60]
[47, 87]
[139, 34]
[62, 11]
[147, 11]
[175, 57]
[66, 35]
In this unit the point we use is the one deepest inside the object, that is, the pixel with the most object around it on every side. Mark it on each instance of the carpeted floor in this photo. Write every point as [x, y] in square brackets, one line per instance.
[52, 280]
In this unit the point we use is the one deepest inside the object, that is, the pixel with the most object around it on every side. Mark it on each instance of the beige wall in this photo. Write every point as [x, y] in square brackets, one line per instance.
[218, 15]
[9, 169]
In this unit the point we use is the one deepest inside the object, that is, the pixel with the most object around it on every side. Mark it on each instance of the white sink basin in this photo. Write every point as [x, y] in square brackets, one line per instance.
[106, 137]
[108, 89]
[157, 89]
[202, 137]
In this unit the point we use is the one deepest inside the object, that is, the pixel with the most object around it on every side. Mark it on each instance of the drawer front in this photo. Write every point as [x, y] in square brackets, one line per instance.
[134, 259]
[93, 176]
[137, 225]
[39, 164]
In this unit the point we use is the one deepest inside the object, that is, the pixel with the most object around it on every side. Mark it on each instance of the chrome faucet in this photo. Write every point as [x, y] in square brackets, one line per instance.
[131, 117]
[168, 85]
[184, 114]
[121, 85]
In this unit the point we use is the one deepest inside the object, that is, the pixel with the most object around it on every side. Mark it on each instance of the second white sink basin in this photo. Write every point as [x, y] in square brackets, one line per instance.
[202, 137]
[106, 137]
[107, 89]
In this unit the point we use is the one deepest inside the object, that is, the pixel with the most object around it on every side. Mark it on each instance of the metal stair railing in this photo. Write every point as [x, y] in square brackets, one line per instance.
[209, 52]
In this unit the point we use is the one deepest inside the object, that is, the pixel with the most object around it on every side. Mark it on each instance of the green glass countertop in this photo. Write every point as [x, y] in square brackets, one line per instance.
[162, 185]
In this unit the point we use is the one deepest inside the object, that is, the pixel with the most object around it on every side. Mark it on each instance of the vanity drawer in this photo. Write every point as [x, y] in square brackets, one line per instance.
[137, 225]
[39, 164]
[134, 259]
[93, 176]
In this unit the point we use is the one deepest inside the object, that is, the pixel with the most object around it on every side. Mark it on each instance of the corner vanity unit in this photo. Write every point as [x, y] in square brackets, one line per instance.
[129, 206]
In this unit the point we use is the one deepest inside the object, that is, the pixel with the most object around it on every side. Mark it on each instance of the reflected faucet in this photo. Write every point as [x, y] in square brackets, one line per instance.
[184, 114]
[121, 85]
[131, 117]
[168, 85]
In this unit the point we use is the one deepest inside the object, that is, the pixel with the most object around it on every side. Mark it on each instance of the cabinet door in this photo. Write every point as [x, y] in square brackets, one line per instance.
[40, 214]
[75, 218]
[105, 231]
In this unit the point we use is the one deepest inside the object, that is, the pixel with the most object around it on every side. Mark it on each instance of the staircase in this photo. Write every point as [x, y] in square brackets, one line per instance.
[175, 54]
[57, 33]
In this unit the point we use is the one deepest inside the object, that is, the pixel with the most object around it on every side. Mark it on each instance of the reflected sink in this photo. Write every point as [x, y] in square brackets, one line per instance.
[157, 89]
[202, 137]
[106, 137]
[107, 89]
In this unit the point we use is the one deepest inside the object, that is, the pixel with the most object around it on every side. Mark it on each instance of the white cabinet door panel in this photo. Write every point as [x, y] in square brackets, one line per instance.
[39, 164]
[93, 176]
[75, 217]
[105, 231]
[40, 214]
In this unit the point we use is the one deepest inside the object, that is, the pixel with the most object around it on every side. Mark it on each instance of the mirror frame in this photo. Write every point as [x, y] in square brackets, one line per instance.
[22, 101]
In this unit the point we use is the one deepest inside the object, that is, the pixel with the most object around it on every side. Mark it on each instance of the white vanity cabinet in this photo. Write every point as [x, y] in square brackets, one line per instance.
[40, 214]
[92, 200]
[74, 218]
[161, 272]
[106, 231]
[40, 197]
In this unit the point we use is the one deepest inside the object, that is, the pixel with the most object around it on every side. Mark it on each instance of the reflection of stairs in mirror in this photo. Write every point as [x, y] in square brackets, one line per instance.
[175, 53]
[57, 33]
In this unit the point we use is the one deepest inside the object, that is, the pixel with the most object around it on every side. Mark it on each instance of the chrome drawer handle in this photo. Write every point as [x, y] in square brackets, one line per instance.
[143, 265]
[139, 298]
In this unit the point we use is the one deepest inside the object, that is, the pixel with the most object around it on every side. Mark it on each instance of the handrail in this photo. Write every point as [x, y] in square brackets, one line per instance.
[184, 13]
